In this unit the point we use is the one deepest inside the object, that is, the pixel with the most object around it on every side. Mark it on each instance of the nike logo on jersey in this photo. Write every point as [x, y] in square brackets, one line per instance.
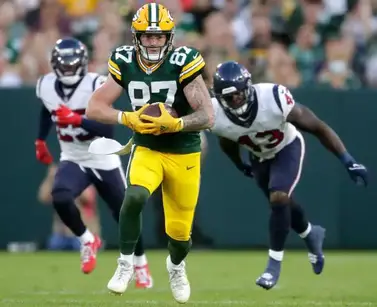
[195, 56]
[189, 167]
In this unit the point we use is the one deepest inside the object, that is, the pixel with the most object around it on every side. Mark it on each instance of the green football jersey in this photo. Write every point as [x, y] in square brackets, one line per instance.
[162, 82]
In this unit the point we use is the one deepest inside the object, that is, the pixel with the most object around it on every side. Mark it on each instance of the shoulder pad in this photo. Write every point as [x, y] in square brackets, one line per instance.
[284, 99]
[191, 62]
[97, 80]
[38, 87]
[42, 81]
[101, 80]
[118, 60]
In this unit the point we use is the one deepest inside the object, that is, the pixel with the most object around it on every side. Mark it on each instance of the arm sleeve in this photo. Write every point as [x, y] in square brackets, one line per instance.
[45, 123]
[97, 129]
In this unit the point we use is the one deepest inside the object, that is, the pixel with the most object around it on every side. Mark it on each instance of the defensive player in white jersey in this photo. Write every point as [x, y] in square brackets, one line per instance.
[65, 94]
[264, 118]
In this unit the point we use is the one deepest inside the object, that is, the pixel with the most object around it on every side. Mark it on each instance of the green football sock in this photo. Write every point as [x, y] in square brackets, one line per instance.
[130, 218]
[178, 250]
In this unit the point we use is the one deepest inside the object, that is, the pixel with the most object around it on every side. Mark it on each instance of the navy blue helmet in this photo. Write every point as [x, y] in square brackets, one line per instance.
[69, 60]
[233, 89]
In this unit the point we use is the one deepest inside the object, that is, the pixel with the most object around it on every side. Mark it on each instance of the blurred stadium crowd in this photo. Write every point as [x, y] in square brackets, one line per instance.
[325, 43]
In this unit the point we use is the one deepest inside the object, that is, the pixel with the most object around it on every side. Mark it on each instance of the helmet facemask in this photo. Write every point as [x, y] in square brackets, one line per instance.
[69, 64]
[143, 50]
[237, 102]
[69, 71]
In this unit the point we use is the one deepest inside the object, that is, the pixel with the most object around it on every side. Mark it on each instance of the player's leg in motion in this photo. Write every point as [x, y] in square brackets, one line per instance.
[313, 235]
[111, 185]
[180, 191]
[278, 179]
[144, 174]
[70, 181]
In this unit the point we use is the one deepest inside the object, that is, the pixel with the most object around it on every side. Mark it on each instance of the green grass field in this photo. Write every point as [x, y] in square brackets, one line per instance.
[217, 279]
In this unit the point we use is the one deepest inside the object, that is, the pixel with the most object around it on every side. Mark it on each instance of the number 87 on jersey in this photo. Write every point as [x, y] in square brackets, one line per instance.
[162, 82]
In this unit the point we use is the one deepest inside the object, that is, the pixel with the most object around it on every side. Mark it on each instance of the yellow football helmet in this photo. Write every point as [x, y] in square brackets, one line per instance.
[153, 18]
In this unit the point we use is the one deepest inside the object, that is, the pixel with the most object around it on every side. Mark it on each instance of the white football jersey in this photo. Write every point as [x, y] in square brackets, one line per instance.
[269, 132]
[74, 141]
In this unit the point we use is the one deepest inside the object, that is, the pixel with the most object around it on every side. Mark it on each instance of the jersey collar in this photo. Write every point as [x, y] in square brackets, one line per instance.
[59, 88]
[147, 69]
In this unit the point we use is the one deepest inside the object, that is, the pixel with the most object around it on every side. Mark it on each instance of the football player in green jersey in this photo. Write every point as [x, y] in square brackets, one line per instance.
[166, 149]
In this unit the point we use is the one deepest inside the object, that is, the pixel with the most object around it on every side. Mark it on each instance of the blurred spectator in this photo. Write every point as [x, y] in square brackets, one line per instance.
[242, 30]
[46, 25]
[220, 43]
[8, 14]
[61, 237]
[81, 8]
[371, 72]
[9, 74]
[358, 26]
[257, 47]
[307, 53]
[281, 67]
[337, 72]
[109, 35]
[9, 47]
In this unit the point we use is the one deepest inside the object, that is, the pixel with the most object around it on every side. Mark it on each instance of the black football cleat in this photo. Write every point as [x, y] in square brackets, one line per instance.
[271, 275]
[314, 242]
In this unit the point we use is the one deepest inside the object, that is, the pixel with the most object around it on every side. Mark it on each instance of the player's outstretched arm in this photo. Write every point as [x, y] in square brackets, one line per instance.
[45, 123]
[198, 97]
[100, 104]
[304, 119]
[232, 150]
[41, 149]
[65, 116]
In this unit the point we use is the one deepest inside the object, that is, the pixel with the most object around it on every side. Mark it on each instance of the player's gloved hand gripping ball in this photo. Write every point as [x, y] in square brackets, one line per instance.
[132, 119]
[162, 118]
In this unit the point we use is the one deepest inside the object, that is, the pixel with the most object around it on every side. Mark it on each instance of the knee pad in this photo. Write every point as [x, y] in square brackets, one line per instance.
[279, 199]
[137, 194]
[178, 230]
[135, 199]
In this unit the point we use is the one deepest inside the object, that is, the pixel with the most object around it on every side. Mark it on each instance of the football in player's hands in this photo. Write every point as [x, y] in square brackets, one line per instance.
[154, 111]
